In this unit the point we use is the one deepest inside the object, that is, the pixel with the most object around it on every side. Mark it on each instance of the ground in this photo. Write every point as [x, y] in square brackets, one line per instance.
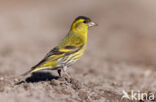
[120, 54]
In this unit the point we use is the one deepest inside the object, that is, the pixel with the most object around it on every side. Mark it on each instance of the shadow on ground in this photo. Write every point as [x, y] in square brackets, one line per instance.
[39, 76]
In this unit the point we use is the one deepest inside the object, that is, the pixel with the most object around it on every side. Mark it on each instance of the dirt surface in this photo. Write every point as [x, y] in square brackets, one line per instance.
[120, 56]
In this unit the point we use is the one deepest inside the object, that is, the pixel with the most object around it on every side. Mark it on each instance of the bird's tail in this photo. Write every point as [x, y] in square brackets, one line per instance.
[26, 73]
[33, 69]
[21, 78]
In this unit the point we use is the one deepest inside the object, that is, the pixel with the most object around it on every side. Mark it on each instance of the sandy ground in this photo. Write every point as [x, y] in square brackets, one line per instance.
[120, 53]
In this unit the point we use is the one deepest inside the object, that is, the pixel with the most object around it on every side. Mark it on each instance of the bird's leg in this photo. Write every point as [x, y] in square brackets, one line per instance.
[59, 72]
[65, 71]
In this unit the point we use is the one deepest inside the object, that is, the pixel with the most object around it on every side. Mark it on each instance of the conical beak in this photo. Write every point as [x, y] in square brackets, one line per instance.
[90, 24]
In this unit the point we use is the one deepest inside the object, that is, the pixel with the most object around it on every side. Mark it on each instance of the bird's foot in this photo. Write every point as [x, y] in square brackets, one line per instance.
[65, 77]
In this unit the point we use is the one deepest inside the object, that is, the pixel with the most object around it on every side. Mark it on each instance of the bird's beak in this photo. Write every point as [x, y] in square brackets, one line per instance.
[90, 24]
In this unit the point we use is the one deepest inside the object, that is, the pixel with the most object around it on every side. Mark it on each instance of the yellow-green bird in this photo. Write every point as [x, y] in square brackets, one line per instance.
[69, 50]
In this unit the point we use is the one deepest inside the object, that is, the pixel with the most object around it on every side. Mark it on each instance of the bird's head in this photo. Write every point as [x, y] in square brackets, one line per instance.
[81, 24]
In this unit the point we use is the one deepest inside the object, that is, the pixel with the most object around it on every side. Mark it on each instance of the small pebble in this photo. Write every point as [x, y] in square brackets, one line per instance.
[1, 78]
[54, 82]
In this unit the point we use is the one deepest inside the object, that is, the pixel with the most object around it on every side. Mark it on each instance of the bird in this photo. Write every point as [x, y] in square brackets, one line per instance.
[68, 50]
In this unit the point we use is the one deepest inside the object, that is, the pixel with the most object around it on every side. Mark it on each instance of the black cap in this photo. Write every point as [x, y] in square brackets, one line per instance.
[82, 17]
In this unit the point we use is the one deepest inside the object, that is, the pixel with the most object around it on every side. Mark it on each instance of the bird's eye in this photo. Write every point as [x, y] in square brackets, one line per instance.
[85, 21]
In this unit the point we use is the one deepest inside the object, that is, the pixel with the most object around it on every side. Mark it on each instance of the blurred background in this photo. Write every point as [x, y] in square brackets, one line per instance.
[30, 28]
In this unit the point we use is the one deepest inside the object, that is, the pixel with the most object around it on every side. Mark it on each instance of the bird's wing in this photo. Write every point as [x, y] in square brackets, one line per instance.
[65, 51]
[58, 52]
[53, 52]
[71, 49]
